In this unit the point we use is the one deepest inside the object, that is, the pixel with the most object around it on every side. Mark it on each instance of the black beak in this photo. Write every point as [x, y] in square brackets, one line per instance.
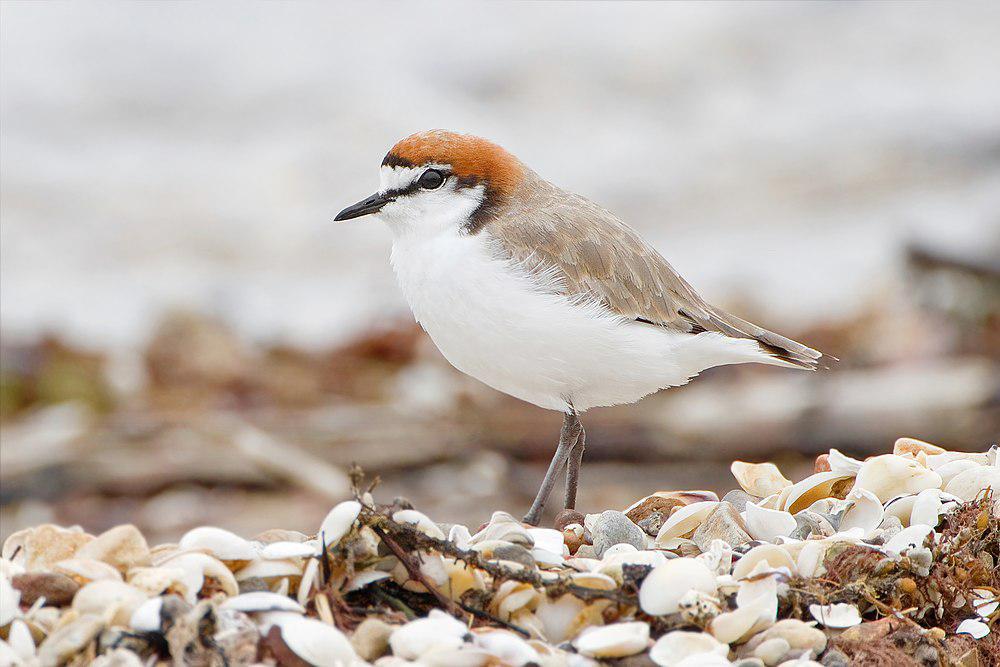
[365, 207]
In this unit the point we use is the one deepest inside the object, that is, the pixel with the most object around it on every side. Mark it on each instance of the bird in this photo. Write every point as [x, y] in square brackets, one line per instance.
[544, 295]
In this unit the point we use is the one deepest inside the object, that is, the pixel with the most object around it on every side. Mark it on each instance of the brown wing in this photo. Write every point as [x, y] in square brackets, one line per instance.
[597, 255]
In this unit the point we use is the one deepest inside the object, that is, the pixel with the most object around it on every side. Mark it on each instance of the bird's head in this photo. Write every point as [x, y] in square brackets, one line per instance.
[441, 180]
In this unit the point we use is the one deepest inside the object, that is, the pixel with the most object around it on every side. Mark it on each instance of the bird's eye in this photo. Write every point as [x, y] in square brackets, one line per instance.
[430, 179]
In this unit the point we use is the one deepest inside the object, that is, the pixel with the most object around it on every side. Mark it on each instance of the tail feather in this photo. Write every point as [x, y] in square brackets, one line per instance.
[774, 345]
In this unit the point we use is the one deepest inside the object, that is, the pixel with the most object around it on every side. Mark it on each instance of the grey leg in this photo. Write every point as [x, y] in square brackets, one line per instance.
[567, 439]
[573, 468]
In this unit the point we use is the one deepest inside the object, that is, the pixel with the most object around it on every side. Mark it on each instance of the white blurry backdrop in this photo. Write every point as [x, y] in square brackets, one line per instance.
[194, 154]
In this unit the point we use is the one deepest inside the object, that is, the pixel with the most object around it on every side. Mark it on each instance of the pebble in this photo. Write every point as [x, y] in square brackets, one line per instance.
[798, 634]
[515, 553]
[651, 524]
[835, 658]
[57, 589]
[738, 498]
[613, 527]
[772, 650]
[371, 639]
[724, 523]
[567, 517]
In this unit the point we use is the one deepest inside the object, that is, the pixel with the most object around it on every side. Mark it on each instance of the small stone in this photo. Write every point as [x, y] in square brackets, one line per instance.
[749, 662]
[57, 589]
[613, 528]
[515, 553]
[586, 551]
[567, 517]
[771, 650]
[870, 631]
[798, 634]
[651, 524]
[822, 463]
[835, 658]
[724, 523]
[371, 639]
[738, 499]
[914, 447]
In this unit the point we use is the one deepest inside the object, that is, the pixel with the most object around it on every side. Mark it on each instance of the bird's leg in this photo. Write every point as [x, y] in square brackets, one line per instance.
[567, 439]
[573, 464]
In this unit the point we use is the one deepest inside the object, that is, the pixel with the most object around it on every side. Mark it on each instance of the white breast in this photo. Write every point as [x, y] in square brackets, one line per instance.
[506, 327]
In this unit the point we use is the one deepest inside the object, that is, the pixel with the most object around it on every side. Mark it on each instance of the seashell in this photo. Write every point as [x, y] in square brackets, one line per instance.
[665, 502]
[549, 548]
[39, 547]
[10, 600]
[809, 562]
[437, 630]
[156, 580]
[970, 484]
[503, 526]
[926, 508]
[770, 651]
[912, 446]
[986, 602]
[147, 617]
[219, 543]
[799, 635]
[684, 521]
[594, 580]
[973, 627]
[674, 647]
[935, 461]
[197, 568]
[462, 578]
[69, 639]
[914, 536]
[114, 601]
[566, 616]
[338, 522]
[767, 524]
[315, 642]
[698, 608]
[366, 578]
[513, 596]
[732, 626]
[506, 647]
[122, 547]
[840, 615]
[611, 565]
[889, 475]
[865, 512]
[819, 485]
[666, 584]
[86, 570]
[270, 569]
[20, 642]
[258, 601]
[617, 640]
[774, 556]
[460, 536]
[840, 462]
[949, 470]
[288, 550]
[420, 521]
[279, 535]
[759, 479]
[310, 575]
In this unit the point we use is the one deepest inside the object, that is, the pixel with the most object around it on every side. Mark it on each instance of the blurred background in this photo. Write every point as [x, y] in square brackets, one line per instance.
[188, 339]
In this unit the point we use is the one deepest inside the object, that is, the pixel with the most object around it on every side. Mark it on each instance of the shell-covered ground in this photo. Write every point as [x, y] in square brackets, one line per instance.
[888, 561]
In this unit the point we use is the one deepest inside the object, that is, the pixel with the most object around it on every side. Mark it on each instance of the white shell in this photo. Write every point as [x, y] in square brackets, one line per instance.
[437, 630]
[262, 601]
[198, 566]
[283, 550]
[420, 521]
[841, 615]
[87, 569]
[146, 617]
[840, 462]
[617, 640]
[914, 536]
[506, 646]
[115, 598]
[315, 642]
[503, 526]
[685, 520]
[674, 647]
[814, 487]
[10, 598]
[986, 602]
[973, 627]
[889, 475]
[362, 579]
[20, 641]
[338, 522]
[767, 524]
[774, 556]
[663, 588]
[759, 479]
[926, 508]
[218, 542]
[865, 512]
[969, 484]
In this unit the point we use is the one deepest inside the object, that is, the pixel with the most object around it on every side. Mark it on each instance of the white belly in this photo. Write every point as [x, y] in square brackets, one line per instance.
[505, 327]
